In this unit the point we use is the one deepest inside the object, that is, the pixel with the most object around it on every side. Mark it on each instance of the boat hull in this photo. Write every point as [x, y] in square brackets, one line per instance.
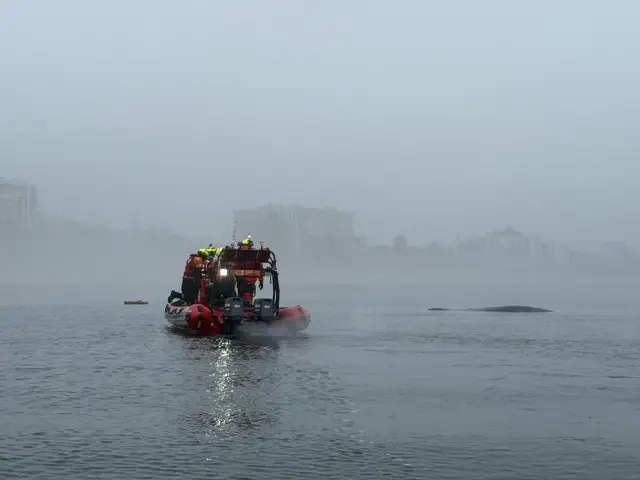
[201, 320]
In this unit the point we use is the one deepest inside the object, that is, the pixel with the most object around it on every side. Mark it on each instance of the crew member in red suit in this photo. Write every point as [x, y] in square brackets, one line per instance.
[247, 285]
[191, 278]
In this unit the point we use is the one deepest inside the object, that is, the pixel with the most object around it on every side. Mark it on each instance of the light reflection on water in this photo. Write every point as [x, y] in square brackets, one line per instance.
[239, 389]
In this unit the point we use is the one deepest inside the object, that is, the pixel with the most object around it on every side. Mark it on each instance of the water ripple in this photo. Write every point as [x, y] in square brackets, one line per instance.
[111, 394]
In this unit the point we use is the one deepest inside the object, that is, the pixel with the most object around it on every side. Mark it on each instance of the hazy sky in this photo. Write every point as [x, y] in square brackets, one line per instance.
[430, 118]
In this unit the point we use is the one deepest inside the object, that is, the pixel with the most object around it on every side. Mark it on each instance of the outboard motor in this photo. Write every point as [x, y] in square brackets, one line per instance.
[232, 313]
[263, 310]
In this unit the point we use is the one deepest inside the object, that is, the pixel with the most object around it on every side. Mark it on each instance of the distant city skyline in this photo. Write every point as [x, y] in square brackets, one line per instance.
[223, 229]
[18, 203]
[302, 252]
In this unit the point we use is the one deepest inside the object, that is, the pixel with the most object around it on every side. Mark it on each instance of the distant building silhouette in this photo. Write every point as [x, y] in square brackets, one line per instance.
[299, 231]
[400, 243]
[510, 248]
[18, 204]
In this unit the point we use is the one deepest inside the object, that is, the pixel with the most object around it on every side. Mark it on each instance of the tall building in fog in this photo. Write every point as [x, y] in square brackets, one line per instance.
[510, 248]
[18, 204]
[298, 230]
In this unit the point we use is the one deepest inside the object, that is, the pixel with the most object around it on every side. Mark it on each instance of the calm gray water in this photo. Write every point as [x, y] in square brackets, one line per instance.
[377, 388]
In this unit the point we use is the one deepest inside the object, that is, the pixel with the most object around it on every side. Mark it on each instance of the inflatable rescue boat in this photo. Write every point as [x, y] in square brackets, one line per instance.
[226, 302]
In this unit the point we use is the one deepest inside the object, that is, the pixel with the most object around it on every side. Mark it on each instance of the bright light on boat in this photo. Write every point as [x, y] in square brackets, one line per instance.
[223, 272]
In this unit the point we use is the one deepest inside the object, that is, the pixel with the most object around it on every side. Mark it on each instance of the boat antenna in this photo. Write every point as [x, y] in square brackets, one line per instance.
[235, 227]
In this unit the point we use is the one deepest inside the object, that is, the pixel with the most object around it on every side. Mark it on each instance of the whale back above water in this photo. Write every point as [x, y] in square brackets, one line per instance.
[501, 308]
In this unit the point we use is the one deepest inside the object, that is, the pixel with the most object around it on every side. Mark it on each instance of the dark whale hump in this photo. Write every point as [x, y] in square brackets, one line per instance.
[502, 308]
[512, 309]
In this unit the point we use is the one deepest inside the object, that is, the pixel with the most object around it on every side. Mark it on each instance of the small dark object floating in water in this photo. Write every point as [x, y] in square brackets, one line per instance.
[135, 302]
[503, 309]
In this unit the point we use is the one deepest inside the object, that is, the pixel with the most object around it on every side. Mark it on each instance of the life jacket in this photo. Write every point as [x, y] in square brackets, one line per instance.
[193, 268]
[245, 244]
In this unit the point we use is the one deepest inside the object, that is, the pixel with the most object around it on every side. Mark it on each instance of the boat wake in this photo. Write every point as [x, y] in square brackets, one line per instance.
[263, 334]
